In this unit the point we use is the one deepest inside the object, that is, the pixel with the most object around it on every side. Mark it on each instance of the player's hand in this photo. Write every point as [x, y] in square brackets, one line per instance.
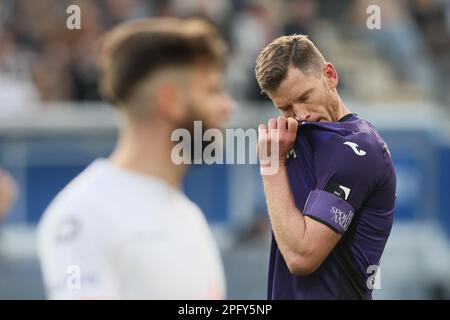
[275, 141]
[8, 192]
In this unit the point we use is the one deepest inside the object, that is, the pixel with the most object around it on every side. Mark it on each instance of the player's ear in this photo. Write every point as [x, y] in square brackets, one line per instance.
[330, 74]
[168, 102]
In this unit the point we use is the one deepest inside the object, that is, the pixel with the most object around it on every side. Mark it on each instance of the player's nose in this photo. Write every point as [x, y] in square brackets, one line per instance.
[302, 115]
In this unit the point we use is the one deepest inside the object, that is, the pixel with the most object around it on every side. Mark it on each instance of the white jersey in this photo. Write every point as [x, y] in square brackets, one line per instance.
[116, 234]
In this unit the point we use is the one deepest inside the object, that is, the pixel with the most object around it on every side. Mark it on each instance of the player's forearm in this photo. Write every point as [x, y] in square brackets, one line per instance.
[288, 222]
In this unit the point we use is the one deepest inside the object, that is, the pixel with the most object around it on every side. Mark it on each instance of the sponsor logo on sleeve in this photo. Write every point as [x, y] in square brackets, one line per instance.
[341, 218]
[338, 190]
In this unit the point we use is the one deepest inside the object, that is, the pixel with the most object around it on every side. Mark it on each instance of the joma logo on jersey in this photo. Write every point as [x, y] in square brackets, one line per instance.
[355, 148]
[341, 218]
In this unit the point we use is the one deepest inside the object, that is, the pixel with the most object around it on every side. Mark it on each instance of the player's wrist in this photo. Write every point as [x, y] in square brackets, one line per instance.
[272, 167]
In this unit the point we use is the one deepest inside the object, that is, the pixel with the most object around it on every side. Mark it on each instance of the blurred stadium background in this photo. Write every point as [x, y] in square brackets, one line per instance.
[53, 123]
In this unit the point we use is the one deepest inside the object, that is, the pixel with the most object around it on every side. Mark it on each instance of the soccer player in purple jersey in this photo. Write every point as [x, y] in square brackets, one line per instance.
[331, 202]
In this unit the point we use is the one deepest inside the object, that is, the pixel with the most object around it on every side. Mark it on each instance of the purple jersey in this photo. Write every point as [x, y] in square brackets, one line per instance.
[341, 174]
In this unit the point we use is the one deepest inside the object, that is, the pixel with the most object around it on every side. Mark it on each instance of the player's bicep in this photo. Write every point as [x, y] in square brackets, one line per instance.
[327, 218]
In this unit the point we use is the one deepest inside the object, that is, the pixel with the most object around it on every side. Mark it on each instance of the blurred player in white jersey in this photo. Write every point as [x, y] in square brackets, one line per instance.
[123, 229]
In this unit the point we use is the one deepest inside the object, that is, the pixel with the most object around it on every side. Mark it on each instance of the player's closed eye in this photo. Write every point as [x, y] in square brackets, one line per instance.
[286, 111]
[303, 99]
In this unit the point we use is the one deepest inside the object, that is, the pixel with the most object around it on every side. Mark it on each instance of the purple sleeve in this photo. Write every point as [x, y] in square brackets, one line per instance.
[330, 210]
[345, 175]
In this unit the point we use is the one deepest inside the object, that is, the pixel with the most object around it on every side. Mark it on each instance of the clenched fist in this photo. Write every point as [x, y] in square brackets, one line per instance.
[274, 143]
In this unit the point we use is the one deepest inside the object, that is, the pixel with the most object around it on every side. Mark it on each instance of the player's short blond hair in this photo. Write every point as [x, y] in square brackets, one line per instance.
[295, 50]
[134, 50]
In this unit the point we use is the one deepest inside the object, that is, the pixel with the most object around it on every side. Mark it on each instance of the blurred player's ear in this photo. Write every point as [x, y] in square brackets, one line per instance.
[331, 75]
[169, 103]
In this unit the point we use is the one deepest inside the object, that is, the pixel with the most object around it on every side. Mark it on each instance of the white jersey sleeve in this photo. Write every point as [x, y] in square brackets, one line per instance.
[74, 258]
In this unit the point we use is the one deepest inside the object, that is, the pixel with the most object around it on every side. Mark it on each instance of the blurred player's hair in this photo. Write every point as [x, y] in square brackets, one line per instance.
[294, 50]
[133, 51]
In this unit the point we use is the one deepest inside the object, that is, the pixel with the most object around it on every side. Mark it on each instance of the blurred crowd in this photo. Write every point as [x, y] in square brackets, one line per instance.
[41, 60]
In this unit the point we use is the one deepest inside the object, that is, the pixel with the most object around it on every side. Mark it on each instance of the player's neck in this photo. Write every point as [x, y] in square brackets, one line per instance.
[147, 150]
[342, 110]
